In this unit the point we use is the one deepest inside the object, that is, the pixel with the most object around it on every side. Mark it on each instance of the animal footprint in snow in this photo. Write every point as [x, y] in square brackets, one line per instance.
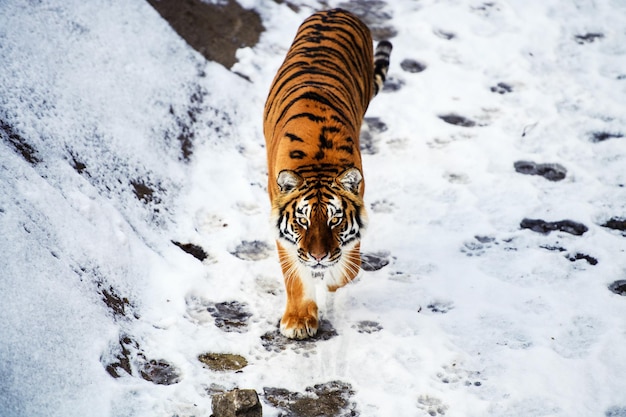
[374, 261]
[274, 341]
[478, 246]
[254, 250]
[441, 307]
[444, 34]
[368, 326]
[382, 206]
[431, 405]
[455, 119]
[413, 66]
[368, 139]
[577, 337]
[393, 84]
[197, 309]
[230, 316]
[501, 88]
[615, 411]
[209, 223]
[453, 374]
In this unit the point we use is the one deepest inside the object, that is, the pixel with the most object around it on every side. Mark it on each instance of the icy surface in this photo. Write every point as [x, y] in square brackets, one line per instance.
[120, 145]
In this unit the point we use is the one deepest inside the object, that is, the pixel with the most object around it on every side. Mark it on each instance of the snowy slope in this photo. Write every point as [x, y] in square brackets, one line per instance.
[117, 139]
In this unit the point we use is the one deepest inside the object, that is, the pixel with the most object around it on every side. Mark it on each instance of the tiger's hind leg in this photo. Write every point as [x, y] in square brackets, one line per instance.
[300, 319]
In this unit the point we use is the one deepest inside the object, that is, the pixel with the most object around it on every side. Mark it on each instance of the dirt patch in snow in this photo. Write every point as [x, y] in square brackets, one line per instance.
[214, 30]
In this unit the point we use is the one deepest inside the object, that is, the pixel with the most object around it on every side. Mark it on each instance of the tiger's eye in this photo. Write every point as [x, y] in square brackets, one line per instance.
[334, 221]
[302, 221]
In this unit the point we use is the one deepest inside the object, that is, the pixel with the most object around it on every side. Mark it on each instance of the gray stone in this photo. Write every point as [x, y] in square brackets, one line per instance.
[237, 403]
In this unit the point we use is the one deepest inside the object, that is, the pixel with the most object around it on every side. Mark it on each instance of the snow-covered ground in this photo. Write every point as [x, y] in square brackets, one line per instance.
[473, 316]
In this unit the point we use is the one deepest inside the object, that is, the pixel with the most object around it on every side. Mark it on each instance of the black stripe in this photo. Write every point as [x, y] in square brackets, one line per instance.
[292, 82]
[297, 154]
[346, 148]
[310, 95]
[348, 44]
[331, 169]
[312, 117]
[293, 137]
[325, 143]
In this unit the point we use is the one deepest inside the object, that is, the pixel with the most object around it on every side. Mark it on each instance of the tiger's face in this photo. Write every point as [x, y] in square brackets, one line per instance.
[320, 219]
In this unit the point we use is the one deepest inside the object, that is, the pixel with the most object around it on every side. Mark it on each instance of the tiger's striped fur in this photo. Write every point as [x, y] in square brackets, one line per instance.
[312, 121]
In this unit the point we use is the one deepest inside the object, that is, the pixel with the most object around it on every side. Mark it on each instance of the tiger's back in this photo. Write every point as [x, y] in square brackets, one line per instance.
[312, 122]
[316, 104]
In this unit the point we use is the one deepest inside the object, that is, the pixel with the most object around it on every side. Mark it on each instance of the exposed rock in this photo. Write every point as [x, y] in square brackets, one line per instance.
[553, 248]
[194, 250]
[588, 38]
[551, 172]
[223, 362]
[145, 191]
[602, 136]
[121, 354]
[618, 287]
[581, 256]
[616, 223]
[215, 29]
[19, 144]
[127, 356]
[542, 226]
[331, 399]
[237, 403]
[115, 302]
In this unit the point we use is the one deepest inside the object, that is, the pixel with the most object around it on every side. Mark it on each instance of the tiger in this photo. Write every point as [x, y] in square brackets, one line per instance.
[312, 121]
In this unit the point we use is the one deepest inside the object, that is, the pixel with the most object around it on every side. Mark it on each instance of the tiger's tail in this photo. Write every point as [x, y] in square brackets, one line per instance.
[381, 64]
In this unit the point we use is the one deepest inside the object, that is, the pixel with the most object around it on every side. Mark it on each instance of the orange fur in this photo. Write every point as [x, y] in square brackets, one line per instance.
[312, 122]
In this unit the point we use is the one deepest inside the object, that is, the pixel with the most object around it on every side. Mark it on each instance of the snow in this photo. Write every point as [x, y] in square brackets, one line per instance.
[491, 326]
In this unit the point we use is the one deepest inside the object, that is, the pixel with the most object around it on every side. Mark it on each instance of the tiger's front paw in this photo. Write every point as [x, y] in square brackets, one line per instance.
[300, 324]
[298, 328]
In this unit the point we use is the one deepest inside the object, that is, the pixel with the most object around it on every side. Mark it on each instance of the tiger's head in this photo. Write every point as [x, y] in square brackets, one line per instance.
[320, 219]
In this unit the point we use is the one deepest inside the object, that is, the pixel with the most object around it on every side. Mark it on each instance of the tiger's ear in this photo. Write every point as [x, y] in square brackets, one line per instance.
[288, 180]
[350, 180]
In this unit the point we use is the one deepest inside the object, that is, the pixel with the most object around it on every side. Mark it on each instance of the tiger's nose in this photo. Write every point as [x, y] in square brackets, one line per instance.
[318, 256]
